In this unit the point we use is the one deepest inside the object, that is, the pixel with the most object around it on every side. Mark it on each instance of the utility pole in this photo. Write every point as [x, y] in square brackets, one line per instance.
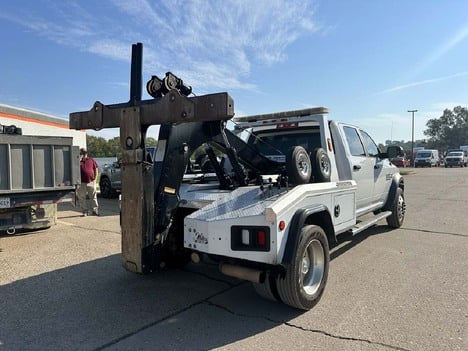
[412, 136]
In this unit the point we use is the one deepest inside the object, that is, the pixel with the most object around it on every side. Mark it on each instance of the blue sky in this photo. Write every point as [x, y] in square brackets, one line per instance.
[368, 61]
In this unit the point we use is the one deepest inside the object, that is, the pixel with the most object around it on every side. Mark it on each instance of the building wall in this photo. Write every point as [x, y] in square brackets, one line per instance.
[35, 123]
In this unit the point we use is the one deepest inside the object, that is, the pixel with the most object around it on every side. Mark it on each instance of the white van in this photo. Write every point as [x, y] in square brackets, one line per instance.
[427, 158]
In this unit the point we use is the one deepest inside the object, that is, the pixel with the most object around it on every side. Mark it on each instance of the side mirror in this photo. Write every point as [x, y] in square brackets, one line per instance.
[395, 151]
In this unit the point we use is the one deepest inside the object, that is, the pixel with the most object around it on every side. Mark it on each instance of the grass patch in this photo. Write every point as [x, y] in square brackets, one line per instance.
[406, 171]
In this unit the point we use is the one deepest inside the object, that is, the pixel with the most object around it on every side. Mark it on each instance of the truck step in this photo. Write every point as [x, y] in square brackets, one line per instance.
[359, 227]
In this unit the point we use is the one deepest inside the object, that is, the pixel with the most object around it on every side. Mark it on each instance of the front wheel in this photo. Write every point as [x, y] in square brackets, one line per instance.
[395, 220]
[305, 277]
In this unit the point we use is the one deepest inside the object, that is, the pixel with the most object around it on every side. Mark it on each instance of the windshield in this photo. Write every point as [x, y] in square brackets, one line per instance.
[455, 153]
[423, 154]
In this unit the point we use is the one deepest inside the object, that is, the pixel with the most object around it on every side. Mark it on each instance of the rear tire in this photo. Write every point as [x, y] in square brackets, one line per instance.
[267, 289]
[395, 220]
[173, 252]
[106, 189]
[305, 278]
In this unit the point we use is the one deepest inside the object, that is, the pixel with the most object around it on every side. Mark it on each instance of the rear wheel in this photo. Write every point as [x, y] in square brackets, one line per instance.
[305, 278]
[106, 189]
[267, 289]
[395, 220]
[173, 253]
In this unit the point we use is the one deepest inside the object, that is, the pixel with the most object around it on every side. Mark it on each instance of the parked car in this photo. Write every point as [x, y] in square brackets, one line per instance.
[400, 161]
[110, 178]
[455, 158]
[427, 158]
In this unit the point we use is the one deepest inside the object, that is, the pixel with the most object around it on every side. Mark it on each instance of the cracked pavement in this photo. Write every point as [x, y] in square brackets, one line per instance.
[403, 289]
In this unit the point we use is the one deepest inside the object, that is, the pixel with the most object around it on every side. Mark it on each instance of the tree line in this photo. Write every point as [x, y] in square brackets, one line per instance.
[100, 147]
[449, 131]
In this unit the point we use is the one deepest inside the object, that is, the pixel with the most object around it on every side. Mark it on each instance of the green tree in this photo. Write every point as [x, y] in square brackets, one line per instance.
[114, 146]
[450, 130]
[151, 141]
[100, 147]
[97, 146]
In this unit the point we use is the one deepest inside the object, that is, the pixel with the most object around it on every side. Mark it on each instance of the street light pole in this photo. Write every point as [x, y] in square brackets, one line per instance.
[412, 136]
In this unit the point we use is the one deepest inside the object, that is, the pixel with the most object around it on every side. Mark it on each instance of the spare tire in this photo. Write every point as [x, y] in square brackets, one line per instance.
[298, 166]
[321, 166]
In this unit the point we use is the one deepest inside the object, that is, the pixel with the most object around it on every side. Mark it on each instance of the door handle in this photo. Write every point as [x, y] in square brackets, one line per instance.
[356, 167]
[376, 166]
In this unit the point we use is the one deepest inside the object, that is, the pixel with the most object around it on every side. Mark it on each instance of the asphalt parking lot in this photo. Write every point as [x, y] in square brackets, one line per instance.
[405, 289]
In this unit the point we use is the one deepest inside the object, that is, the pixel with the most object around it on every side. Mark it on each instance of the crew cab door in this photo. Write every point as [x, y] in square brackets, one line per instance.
[381, 181]
[362, 167]
[367, 169]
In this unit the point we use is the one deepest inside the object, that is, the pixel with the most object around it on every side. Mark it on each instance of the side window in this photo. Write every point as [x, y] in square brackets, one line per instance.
[372, 148]
[355, 146]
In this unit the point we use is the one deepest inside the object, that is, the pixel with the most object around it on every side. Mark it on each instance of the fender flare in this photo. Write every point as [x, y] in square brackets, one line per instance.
[297, 223]
[397, 182]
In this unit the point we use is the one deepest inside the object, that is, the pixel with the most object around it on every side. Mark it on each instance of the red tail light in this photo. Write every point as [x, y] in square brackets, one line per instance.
[261, 238]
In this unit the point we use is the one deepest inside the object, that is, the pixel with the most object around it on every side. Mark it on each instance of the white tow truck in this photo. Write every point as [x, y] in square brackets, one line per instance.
[284, 186]
[276, 232]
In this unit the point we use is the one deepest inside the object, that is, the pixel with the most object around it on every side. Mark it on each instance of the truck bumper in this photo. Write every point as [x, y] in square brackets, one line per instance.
[27, 218]
[423, 164]
[454, 164]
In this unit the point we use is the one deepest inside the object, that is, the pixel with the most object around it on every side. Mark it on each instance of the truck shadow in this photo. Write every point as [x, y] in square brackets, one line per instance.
[97, 305]
[107, 207]
[348, 241]
[21, 231]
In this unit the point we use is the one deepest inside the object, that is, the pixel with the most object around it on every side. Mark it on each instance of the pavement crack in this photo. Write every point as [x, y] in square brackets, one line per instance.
[347, 338]
[207, 276]
[434, 232]
[310, 330]
[97, 230]
[163, 319]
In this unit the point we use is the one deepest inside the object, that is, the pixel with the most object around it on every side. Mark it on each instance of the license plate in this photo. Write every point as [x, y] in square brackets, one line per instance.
[4, 202]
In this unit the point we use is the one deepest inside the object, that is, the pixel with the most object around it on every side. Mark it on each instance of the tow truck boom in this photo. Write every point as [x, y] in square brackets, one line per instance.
[152, 188]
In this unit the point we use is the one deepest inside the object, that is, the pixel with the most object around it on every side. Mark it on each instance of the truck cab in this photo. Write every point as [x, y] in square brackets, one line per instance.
[352, 153]
[360, 159]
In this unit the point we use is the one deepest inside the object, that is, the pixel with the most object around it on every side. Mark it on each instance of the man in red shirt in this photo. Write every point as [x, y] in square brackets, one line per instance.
[87, 191]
